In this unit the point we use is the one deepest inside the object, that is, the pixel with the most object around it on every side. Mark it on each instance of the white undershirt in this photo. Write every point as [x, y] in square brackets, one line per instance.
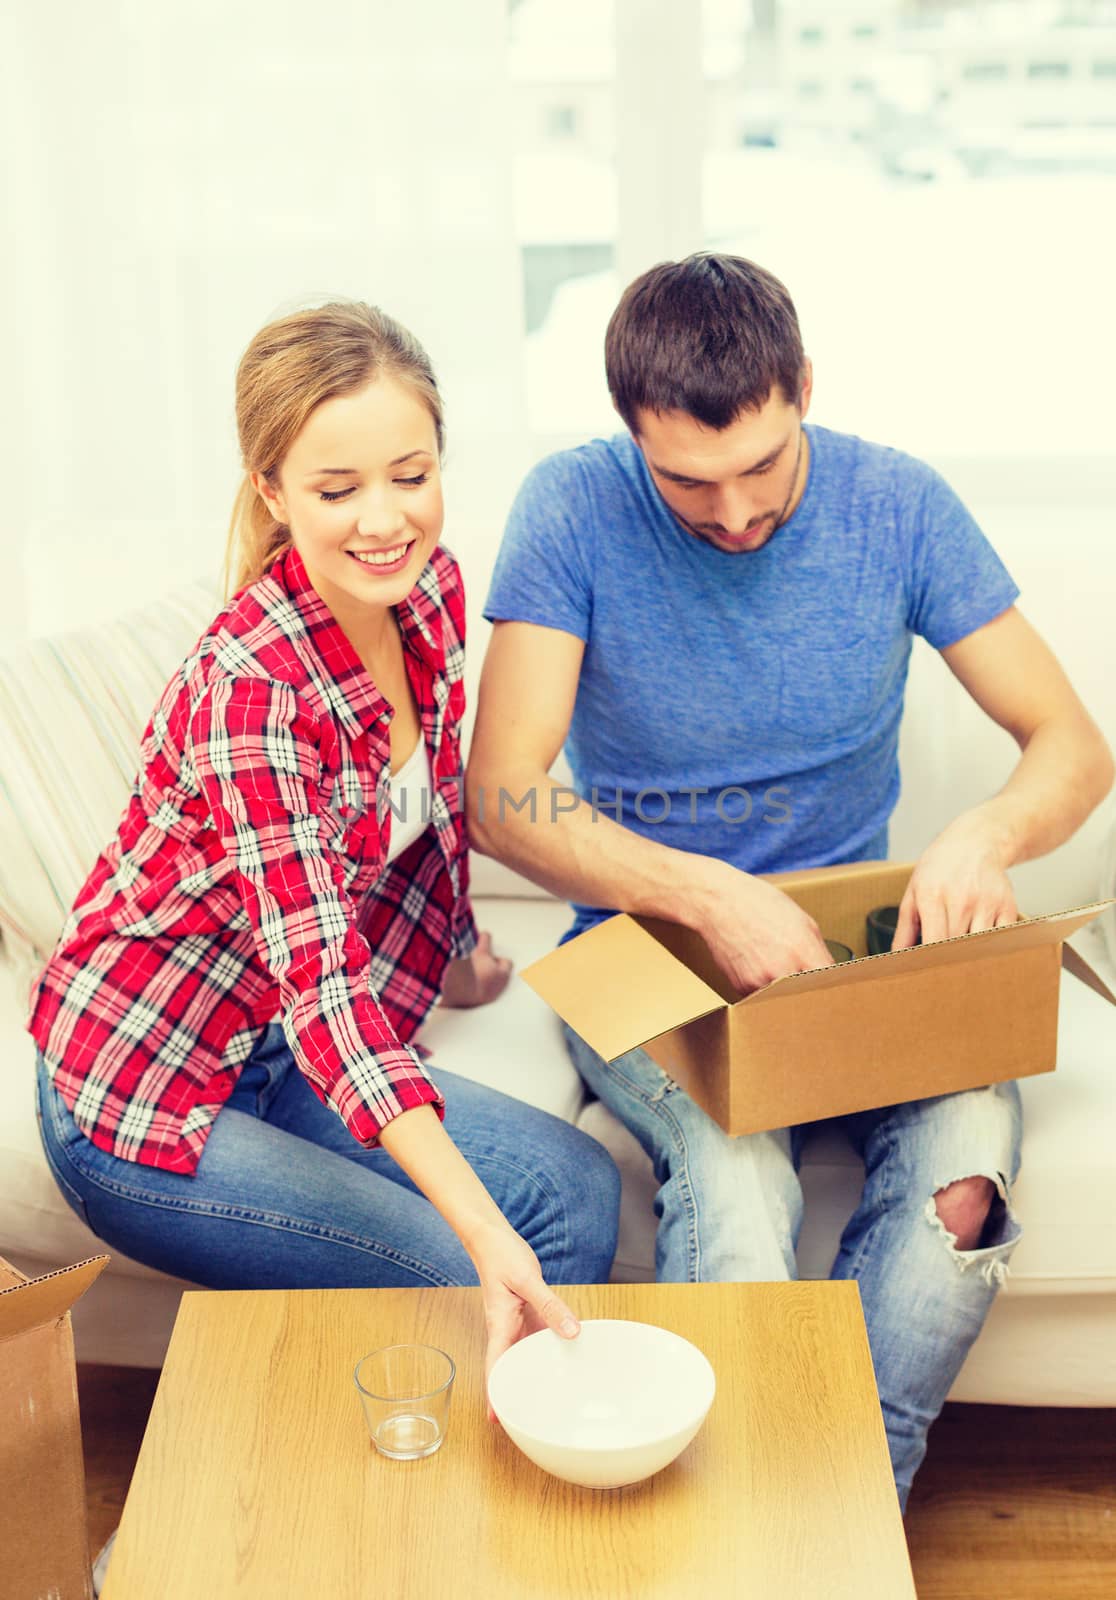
[410, 800]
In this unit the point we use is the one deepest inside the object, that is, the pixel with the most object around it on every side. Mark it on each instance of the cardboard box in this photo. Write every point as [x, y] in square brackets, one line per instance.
[875, 1031]
[44, 1552]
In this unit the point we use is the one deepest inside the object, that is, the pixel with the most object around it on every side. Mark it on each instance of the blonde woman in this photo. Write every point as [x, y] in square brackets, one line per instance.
[229, 1088]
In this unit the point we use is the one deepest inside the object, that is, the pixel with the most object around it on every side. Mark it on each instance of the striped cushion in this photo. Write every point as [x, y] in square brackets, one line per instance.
[72, 711]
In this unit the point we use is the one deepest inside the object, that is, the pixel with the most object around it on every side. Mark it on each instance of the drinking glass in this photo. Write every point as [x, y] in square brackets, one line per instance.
[405, 1391]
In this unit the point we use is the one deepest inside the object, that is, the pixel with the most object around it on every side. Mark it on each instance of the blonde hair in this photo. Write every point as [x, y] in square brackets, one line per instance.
[290, 368]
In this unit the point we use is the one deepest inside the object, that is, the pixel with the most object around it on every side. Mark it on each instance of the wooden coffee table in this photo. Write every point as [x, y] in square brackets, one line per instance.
[257, 1479]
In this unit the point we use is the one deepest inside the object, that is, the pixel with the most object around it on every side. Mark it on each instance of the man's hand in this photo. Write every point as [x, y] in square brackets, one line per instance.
[478, 979]
[959, 886]
[756, 932]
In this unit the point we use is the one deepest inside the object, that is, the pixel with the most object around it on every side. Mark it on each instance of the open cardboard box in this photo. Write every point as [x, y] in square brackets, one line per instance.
[876, 1031]
[44, 1551]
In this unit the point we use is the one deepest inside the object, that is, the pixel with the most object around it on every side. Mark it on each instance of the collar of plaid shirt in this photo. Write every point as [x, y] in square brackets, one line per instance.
[350, 691]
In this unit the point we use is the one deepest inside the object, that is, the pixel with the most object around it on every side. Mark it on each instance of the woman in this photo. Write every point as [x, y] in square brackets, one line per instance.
[227, 1084]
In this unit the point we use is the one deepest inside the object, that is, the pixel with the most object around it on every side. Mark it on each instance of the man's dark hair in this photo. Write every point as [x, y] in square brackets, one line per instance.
[712, 335]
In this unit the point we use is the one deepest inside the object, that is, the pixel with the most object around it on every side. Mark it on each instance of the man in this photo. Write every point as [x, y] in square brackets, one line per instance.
[716, 609]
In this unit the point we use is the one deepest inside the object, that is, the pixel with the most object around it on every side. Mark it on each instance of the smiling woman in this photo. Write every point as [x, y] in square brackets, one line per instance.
[344, 383]
[228, 1083]
[385, 520]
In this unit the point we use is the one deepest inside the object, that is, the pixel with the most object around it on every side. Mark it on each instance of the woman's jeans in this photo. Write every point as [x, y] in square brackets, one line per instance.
[285, 1198]
[730, 1210]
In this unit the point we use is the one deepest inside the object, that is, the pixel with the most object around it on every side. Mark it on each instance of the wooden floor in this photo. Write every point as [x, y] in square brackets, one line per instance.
[1011, 1503]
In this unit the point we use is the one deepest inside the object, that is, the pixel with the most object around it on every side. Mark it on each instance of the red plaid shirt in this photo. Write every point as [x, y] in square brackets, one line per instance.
[249, 877]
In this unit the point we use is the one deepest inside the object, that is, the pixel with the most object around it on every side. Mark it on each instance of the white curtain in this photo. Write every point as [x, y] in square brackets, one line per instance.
[174, 176]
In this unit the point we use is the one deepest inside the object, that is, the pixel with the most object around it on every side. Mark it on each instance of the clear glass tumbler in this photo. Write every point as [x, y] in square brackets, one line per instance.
[405, 1391]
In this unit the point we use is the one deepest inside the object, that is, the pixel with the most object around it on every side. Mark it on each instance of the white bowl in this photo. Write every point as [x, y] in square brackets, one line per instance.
[610, 1407]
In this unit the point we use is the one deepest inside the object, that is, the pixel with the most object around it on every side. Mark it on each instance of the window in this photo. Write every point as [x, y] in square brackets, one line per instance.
[935, 194]
[563, 66]
[938, 253]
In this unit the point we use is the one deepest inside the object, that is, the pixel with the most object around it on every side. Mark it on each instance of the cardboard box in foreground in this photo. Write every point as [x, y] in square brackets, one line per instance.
[876, 1031]
[44, 1551]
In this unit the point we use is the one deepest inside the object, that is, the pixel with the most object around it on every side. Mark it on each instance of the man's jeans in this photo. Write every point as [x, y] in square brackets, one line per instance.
[284, 1197]
[730, 1210]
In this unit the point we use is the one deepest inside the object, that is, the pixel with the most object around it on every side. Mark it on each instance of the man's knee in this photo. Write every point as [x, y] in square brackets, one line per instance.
[963, 1208]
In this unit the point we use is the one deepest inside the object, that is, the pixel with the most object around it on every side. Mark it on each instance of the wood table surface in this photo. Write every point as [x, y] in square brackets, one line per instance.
[257, 1479]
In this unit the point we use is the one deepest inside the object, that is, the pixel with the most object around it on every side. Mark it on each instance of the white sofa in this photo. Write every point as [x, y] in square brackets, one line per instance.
[71, 710]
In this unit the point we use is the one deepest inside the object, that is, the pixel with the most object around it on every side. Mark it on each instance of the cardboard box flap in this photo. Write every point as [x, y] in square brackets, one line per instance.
[9, 1277]
[618, 986]
[1081, 969]
[37, 1301]
[1027, 934]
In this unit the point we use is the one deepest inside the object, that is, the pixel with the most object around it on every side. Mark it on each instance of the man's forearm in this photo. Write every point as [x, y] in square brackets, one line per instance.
[542, 830]
[1063, 774]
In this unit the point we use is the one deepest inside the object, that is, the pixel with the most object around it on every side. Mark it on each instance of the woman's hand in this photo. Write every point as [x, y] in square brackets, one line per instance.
[478, 979]
[517, 1300]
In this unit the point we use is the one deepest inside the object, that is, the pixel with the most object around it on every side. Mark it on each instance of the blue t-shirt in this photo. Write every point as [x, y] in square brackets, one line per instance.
[746, 705]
